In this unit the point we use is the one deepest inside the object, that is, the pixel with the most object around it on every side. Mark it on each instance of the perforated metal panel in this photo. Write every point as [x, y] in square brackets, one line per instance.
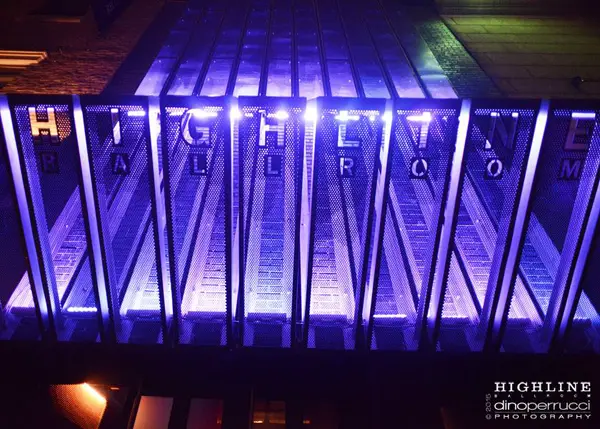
[13, 264]
[119, 152]
[46, 137]
[197, 161]
[421, 147]
[347, 143]
[271, 133]
[497, 149]
[273, 218]
[567, 176]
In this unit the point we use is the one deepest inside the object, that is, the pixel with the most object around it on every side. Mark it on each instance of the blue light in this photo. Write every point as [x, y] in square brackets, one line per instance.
[91, 209]
[281, 115]
[343, 116]
[390, 316]
[22, 291]
[207, 299]
[310, 115]
[82, 309]
[234, 113]
[425, 118]
[203, 114]
[584, 115]
[136, 113]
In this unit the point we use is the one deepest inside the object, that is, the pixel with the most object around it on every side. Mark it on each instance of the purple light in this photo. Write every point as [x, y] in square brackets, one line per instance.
[82, 310]
[536, 145]
[390, 316]
[234, 113]
[343, 116]
[17, 175]
[202, 114]
[443, 255]
[580, 263]
[91, 209]
[280, 115]
[583, 115]
[310, 115]
[203, 297]
[136, 113]
[154, 111]
[425, 117]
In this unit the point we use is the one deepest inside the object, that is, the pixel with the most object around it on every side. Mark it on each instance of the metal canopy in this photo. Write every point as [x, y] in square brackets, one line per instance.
[286, 177]
[290, 48]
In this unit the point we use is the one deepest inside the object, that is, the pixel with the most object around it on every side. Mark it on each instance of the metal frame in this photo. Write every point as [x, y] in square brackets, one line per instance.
[364, 334]
[573, 296]
[143, 102]
[156, 183]
[35, 267]
[282, 102]
[503, 277]
[567, 288]
[99, 268]
[264, 73]
[50, 290]
[431, 269]
[204, 71]
[432, 303]
[324, 67]
[171, 77]
[360, 91]
[197, 102]
[238, 56]
[341, 104]
[567, 285]
[295, 81]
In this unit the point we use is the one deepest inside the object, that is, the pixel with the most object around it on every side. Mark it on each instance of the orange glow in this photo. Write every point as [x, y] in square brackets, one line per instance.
[93, 393]
[81, 404]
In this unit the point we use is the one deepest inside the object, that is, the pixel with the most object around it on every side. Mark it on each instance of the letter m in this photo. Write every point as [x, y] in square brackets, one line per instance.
[570, 169]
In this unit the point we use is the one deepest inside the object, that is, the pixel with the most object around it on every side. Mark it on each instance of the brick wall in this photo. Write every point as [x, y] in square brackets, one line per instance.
[531, 56]
[87, 69]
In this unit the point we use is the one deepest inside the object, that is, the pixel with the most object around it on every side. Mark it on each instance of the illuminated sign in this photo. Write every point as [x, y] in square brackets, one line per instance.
[270, 144]
[272, 124]
[272, 133]
[422, 141]
[348, 141]
[195, 127]
[196, 157]
[43, 130]
[580, 131]
[502, 128]
[241, 193]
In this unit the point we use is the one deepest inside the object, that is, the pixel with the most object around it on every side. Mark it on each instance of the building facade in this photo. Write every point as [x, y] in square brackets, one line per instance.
[313, 193]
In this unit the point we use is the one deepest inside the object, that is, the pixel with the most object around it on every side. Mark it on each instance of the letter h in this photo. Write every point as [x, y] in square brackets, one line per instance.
[43, 131]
